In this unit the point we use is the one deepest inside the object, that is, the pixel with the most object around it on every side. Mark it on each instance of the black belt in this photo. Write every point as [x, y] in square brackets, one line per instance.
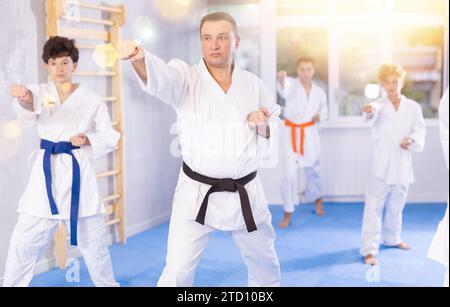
[225, 185]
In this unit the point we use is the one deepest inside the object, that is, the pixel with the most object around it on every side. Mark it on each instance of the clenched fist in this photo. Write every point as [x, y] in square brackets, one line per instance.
[130, 50]
[406, 143]
[79, 140]
[22, 94]
[316, 118]
[258, 118]
[368, 109]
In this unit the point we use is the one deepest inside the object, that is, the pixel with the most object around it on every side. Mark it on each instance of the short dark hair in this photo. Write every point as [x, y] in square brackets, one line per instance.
[58, 46]
[218, 16]
[305, 59]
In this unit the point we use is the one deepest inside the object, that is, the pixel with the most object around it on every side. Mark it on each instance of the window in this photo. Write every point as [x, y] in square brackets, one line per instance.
[420, 7]
[302, 7]
[293, 43]
[359, 61]
[361, 35]
[352, 7]
[419, 51]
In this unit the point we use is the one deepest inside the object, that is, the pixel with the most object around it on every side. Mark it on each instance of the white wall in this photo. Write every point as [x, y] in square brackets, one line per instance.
[22, 32]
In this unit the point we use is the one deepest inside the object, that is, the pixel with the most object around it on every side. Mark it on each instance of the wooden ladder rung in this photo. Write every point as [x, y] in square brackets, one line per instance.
[84, 34]
[110, 99]
[95, 7]
[110, 209]
[115, 123]
[92, 46]
[111, 198]
[86, 46]
[88, 20]
[95, 73]
[108, 174]
[113, 222]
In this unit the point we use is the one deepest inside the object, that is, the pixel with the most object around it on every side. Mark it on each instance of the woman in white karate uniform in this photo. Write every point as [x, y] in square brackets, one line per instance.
[71, 120]
[398, 129]
[439, 247]
[306, 106]
[225, 116]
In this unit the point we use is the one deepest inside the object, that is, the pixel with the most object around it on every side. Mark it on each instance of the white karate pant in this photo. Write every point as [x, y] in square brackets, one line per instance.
[446, 279]
[32, 236]
[378, 197]
[439, 246]
[188, 239]
[290, 188]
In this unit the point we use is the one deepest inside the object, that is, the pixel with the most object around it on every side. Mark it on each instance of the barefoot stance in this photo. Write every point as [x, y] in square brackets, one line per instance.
[404, 246]
[371, 260]
[286, 220]
[319, 207]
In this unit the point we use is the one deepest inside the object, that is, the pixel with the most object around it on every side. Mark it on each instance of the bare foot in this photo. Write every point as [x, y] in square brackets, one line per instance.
[404, 246]
[371, 260]
[319, 207]
[286, 220]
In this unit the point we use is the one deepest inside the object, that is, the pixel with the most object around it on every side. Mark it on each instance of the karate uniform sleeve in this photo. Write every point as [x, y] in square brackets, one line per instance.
[376, 110]
[165, 81]
[287, 90]
[102, 136]
[25, 115]
[443, 119]
[418, 131]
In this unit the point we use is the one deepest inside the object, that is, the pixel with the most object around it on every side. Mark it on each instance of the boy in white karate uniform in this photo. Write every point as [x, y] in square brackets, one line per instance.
[225, 116]
[74, 125]
[439, 247]
[306, 106]
[398, 130]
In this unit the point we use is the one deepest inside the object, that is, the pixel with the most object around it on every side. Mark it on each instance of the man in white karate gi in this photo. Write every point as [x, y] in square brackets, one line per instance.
[439, 247]
[398, 130]
[226, 116]
[306, 106]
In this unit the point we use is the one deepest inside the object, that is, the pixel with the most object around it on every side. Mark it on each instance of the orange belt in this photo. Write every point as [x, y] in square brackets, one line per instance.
[302, 128]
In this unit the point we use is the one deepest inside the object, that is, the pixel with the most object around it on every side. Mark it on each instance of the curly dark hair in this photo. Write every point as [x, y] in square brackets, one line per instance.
[58, 46]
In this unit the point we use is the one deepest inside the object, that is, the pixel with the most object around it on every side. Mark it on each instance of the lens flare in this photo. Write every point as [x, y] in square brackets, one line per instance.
[145, 29]
[372, 91]
[48, 101]
[12, 130]
[105, 55]
[66, 87]
[174, 10]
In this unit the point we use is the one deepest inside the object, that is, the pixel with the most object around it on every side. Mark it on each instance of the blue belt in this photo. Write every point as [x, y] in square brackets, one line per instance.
[56, 149]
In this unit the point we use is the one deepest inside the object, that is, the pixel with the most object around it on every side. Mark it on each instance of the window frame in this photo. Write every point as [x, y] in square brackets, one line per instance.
[270, 24]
